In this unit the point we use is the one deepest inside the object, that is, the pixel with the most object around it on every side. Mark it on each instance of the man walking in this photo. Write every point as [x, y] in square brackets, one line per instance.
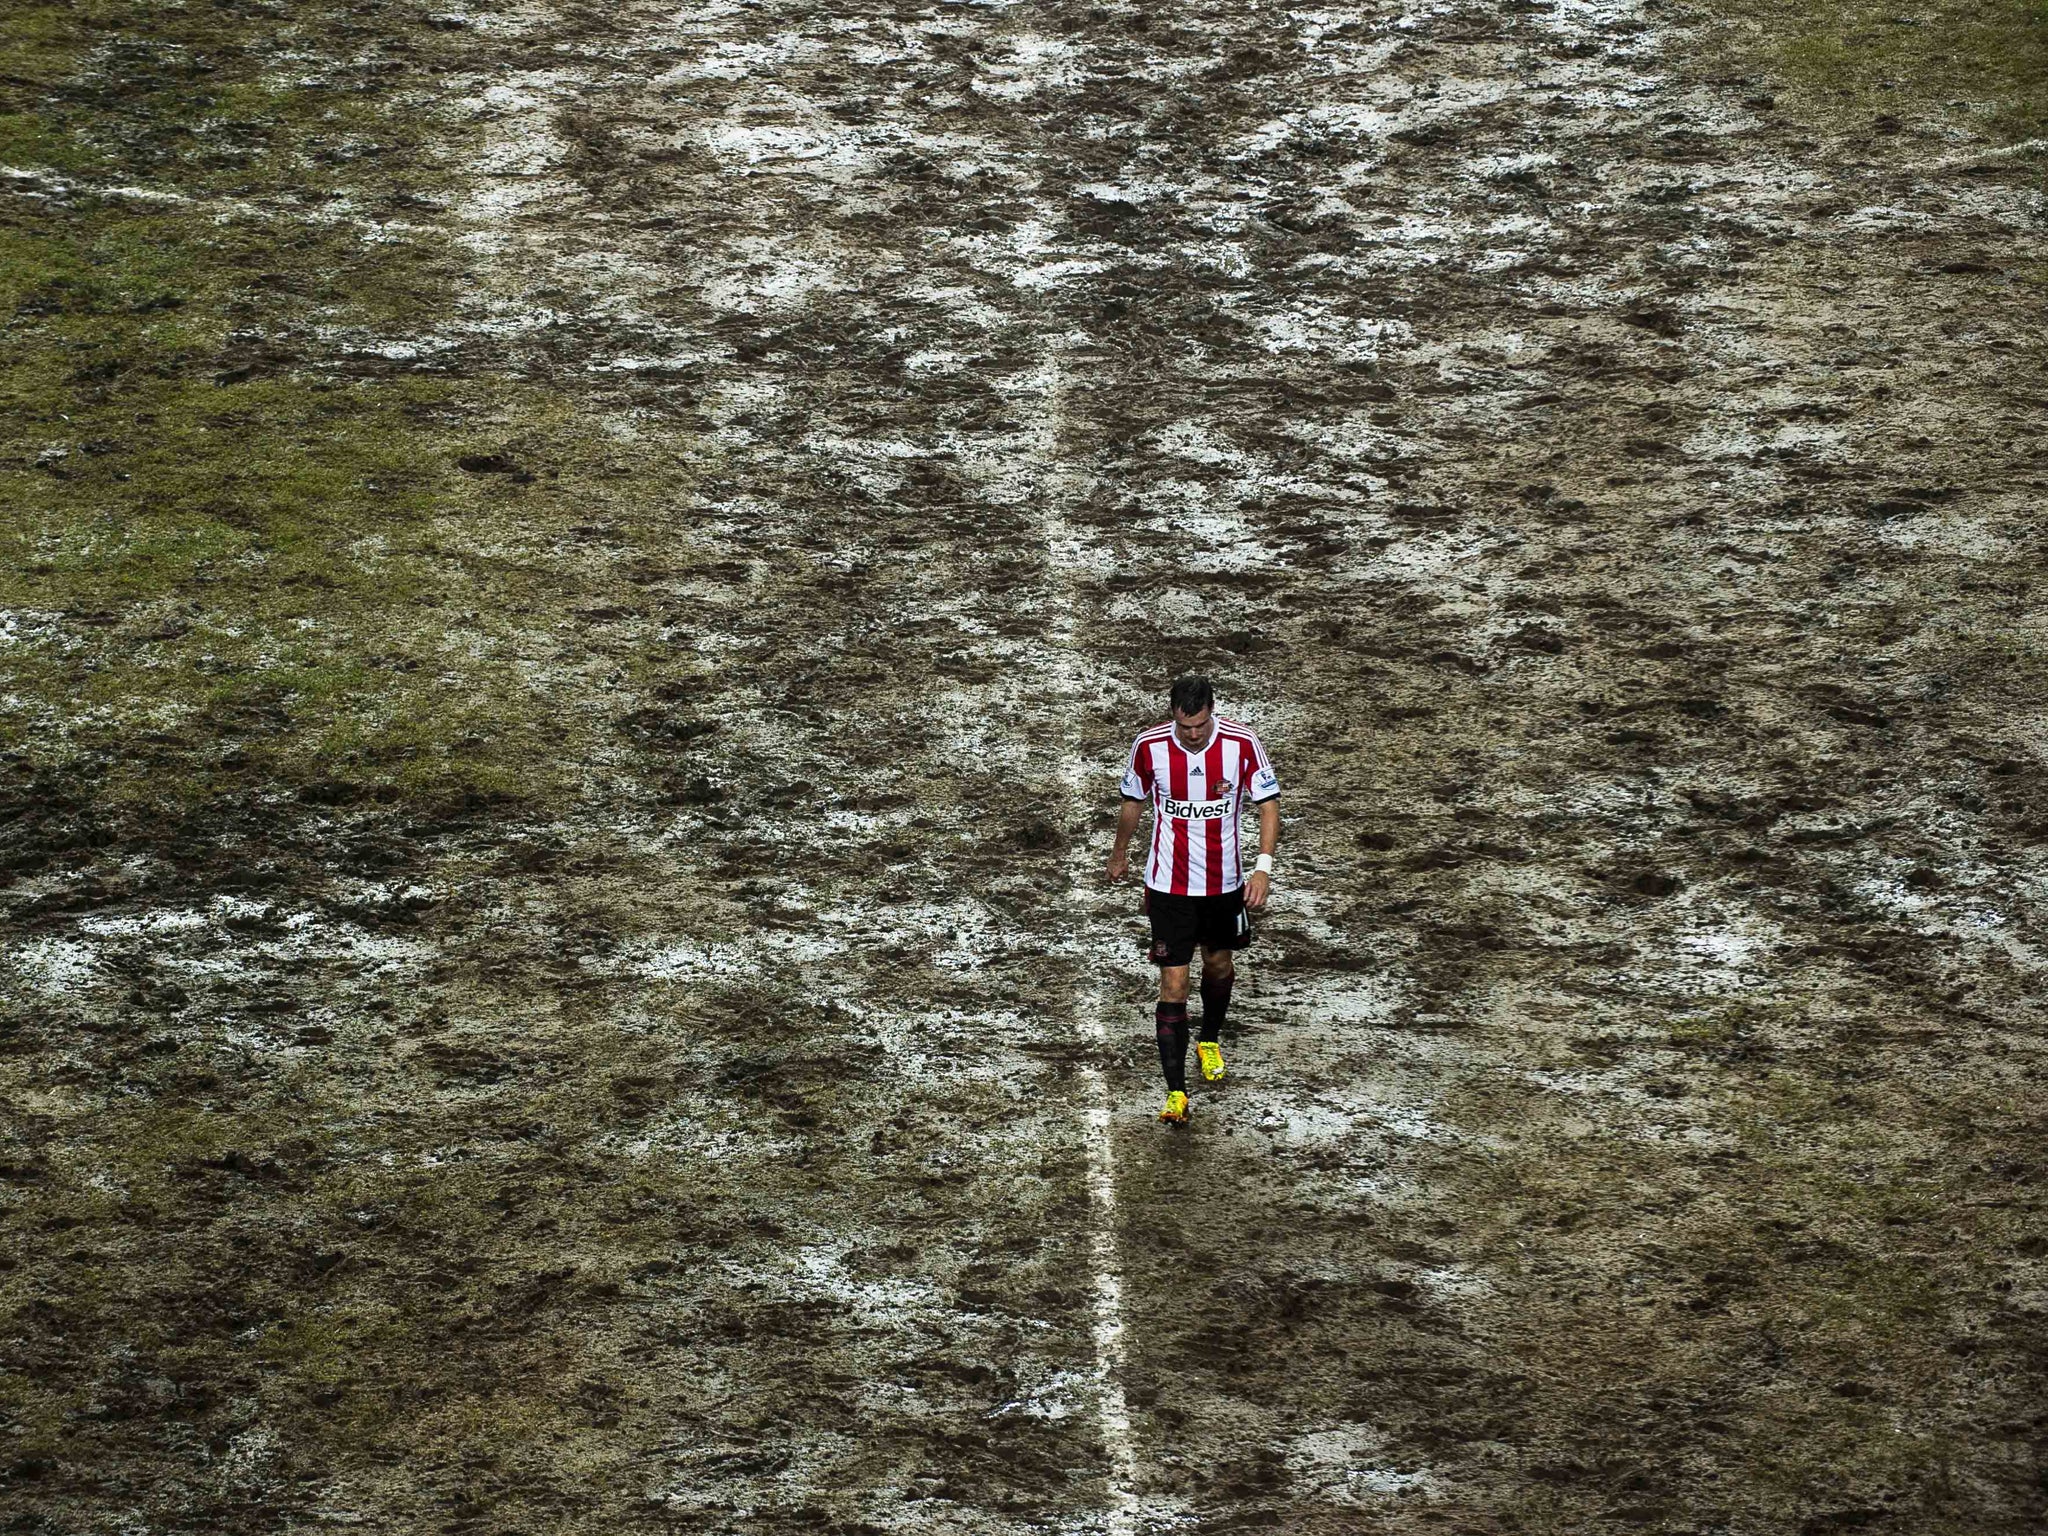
[1197, 770]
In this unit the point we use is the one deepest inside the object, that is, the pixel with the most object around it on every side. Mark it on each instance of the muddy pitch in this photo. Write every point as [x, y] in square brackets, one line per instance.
[1614, 502]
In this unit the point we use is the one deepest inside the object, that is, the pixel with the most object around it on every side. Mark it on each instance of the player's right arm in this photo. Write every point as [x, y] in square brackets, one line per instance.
[1120, 852]
[1136, 789]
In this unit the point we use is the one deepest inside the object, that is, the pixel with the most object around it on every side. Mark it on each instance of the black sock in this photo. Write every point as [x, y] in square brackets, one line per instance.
[1215, 1003]
[1173, 1045]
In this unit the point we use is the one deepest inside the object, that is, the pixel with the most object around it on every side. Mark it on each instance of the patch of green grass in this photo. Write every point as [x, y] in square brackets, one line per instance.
[1978, 63]
[153, 1145]
[318, 1349]
[1725, 1026]
[278, 566]
[201, 93]
[229, 563]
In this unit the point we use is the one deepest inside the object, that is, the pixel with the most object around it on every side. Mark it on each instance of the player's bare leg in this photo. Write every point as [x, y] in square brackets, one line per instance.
[1173, 983]
[1219, 971]
[1172, 1015]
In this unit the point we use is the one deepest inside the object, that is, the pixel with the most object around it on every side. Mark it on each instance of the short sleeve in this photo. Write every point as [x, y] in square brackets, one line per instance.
[1137, 783]
[1264, 783]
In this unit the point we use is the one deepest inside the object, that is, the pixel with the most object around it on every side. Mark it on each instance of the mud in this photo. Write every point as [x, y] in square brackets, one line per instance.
[1610, 494]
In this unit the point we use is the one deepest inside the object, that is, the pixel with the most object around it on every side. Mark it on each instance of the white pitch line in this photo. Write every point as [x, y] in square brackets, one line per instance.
[1106, 1264]
[1084, 784]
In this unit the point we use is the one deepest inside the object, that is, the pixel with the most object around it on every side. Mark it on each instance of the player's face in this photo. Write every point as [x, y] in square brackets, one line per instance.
[1193, 729]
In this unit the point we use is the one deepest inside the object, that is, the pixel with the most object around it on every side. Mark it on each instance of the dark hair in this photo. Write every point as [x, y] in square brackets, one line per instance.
[1192, 695]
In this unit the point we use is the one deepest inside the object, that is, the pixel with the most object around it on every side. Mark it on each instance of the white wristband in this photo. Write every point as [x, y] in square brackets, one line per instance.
[1264, 866]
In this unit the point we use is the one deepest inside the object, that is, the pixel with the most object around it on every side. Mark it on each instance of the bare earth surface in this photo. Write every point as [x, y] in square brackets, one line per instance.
[1616, 507]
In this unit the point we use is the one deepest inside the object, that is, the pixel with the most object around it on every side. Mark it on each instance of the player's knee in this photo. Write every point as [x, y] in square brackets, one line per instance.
[1219, 965]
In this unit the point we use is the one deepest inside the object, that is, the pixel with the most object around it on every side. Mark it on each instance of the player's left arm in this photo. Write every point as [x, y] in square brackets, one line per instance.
[1265, 787]
[1260, 886]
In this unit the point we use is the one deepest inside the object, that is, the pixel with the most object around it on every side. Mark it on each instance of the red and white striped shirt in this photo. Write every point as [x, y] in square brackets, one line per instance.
[1195, 801]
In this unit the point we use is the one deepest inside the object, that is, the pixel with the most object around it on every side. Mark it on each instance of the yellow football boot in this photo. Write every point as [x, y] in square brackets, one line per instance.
[1210, 1054]
[1176, 1111]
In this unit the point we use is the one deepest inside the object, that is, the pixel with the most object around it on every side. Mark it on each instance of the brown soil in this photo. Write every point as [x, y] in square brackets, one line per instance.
[1612, 499]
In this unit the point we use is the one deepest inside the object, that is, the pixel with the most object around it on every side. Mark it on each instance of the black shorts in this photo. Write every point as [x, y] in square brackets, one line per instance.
[1180, 923]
